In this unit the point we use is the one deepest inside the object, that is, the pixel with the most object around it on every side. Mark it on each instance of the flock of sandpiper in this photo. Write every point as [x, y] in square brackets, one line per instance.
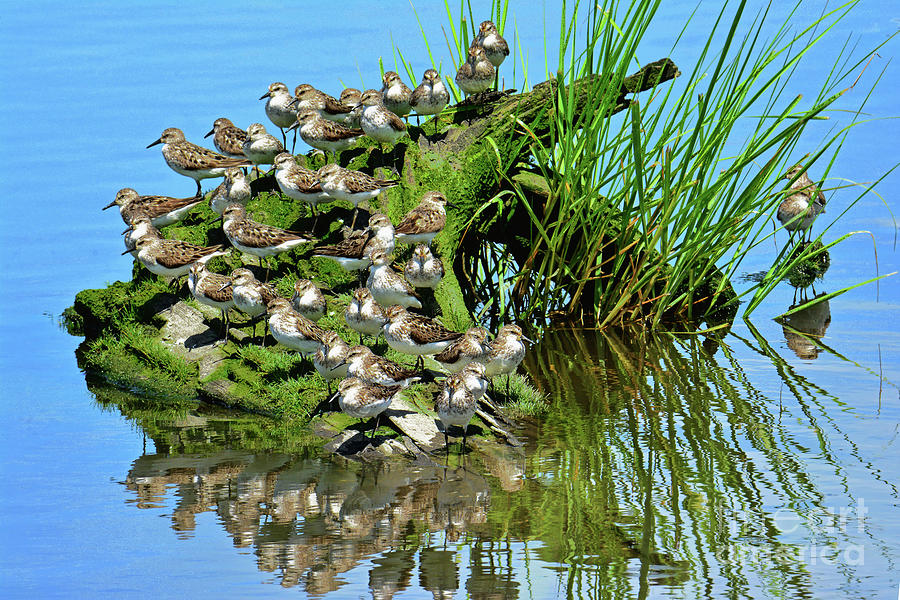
[380, 307]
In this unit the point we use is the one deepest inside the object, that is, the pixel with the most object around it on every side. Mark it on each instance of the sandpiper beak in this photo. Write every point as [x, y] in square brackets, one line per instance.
[212, 131]
[127, 230]
[529, 340]
[293, 102]
[222, 218]
[159, 141]
[226, 286]
[127, 252]
[110, 205]
[293, 126]
[338, 366]
[266, 95]
[451, 205]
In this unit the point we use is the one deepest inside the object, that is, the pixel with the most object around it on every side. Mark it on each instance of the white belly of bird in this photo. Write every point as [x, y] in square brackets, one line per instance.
[377, 125]
[172, 216]
[158, 269]
[290, 337]
[416, 238]
[287, 190]
[265, 250]
[328, 368]
[278, 112]
[406, 346]
[459, 411]
[248, 301]
[359, 322]
[385, 286]
[357, 405]
[506, 363]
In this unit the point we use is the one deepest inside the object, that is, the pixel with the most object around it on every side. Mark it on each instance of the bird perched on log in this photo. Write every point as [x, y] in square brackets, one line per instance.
[410, 333]
[353, 186]
[495, 47]
[430, 97]
[477, 73]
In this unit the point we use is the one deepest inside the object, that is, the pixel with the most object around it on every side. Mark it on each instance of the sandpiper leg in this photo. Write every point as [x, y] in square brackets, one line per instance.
[353, 222]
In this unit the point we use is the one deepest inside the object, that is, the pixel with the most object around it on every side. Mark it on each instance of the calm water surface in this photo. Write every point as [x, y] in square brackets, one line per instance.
[760, 464]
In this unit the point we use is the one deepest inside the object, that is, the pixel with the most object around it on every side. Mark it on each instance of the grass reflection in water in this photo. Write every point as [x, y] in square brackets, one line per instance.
[659, 467]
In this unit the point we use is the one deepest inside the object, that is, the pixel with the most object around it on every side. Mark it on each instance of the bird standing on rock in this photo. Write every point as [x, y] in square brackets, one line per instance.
[395, 94]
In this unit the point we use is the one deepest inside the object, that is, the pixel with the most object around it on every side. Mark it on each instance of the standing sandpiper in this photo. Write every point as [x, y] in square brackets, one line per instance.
[162, 210]
[278, 108]
[192, 160]
[292, 329]
[228, 138]
[258, 239]
[353, 186]
[308, 300]
[430, 97]
[410, 333]
[172, 258]
[325, 135]
[495, 47]
[261, 147]
[395, 94]
[364, 315]
[477, 73]
[426, 220]
[388, 286]
[424, 270]
[299, 183]
[473, 345]
[507, 351]
[330, 360]
[378, 122]
[235, 189]
[211, 289]
[803, 204]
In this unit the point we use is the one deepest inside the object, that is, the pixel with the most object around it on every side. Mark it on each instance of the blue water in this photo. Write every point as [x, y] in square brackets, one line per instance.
[87, 87]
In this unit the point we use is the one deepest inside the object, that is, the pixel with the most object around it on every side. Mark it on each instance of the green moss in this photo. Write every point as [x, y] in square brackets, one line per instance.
[133, 358]
[814, 262]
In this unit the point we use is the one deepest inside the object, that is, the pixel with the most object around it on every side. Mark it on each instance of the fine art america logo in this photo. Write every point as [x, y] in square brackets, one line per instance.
[823, 537]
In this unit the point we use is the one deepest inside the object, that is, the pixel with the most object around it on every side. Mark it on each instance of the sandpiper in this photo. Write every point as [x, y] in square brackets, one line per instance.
[250, 295]
[354, 252]
[395, 94]
[507, 351]
[353, 186]
[473, 345]
[255, 238]
[192, 160]
[430, 97]
[455, 404]
[351, 98]
[140, 228]
[261, 147]
[377, 121]
[410, 333]
[364, 400]
[162, 210]
[172, 258]
[424, 270]
[228, 138]
[388, 287]
[308, 300]
[324, 105]
[330, 360]
[495, 47]
[235, 189]
[803, 204]
[292, 329]
[368, 366]
[211, 289]
[477, 73]
[299, 183]
[364, 315]
[328, 136]
[426, 220]
[278, 108]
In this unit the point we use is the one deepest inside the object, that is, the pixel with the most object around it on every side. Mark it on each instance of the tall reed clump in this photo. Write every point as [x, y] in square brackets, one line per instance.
[651, 212]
